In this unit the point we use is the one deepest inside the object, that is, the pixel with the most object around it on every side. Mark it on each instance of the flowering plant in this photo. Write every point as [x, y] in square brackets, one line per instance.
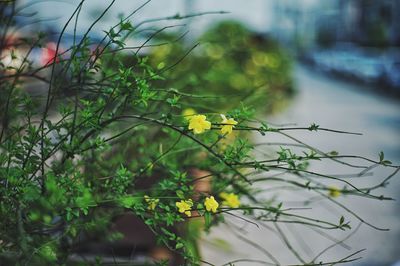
[102, 142]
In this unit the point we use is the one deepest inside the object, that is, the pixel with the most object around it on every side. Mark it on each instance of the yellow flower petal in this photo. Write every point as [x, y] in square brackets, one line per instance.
[188, 113]
[151, 202]
[199, 124]
[184, 206]
[334, 192]
[211, 204]
[228, 124]
[230, 199]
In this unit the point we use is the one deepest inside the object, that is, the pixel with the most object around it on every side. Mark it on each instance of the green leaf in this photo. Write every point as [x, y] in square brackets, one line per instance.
[86, 200]
[333, 153]
[179, 245]
[47, 219]
[128, 201]
[31, 193]
[34, 216]
[207, 219]
[170, 219]
[200, 208]
[48, 253]
[72, 230]
[180, 194]
[313, 127]
[381, 156]
[50, 183]
[126, 26]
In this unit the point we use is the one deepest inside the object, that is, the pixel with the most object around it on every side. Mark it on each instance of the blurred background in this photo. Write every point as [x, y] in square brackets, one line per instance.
[335, 63]
[357, 40]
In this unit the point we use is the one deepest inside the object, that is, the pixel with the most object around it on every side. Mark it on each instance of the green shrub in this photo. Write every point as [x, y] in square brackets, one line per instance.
[103, 141]
[231, 64]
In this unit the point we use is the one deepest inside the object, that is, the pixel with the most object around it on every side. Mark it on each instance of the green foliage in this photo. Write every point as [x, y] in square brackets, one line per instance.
[107, 137]
[231, 61]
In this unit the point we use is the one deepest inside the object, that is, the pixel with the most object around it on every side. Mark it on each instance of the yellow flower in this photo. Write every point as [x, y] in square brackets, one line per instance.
[230, 199]
[188, 113]
[334, 192]
[228, 125]
[152, 202]
[184, 206]
[199, 124]
[211, 204]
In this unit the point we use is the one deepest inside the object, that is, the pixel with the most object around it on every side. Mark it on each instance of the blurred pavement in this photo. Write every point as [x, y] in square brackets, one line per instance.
[337, 105]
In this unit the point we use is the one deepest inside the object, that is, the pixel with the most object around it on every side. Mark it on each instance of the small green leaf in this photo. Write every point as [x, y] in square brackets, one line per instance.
[207, 219]
[333, 153]
[126, 26]
[47, 219]
[34, 216]
[86, 200]
[313, 127]
[200, 208]
[179, 245]
[73, 231]
[180, 194]
[128, 201]
[161, 65]
[381, 156]
[48, 253]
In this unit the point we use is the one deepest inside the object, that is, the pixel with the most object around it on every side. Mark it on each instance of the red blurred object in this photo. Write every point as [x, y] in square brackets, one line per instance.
[49, 53]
